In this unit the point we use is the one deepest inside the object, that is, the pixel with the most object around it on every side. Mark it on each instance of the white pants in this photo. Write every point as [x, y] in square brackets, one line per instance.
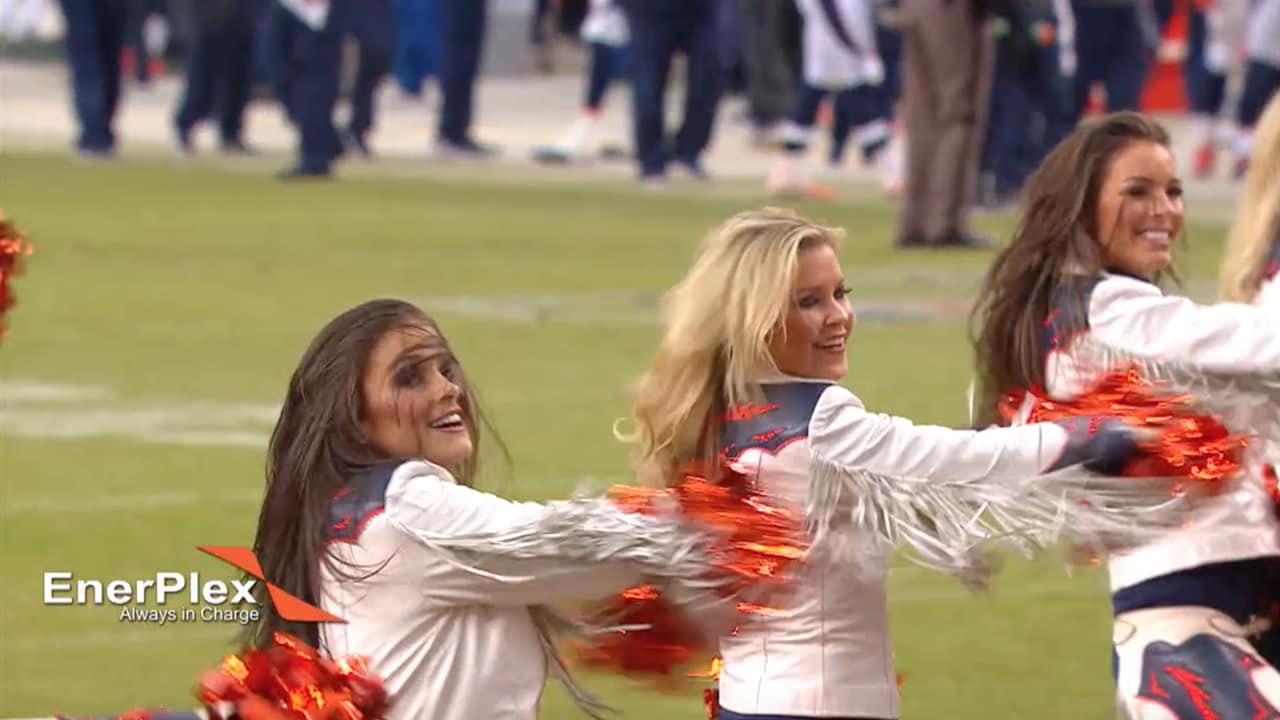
[1191, 663]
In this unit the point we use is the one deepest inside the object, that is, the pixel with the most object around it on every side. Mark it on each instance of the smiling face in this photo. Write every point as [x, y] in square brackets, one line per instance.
[811, 342]
[414, 405]
[1139, 210]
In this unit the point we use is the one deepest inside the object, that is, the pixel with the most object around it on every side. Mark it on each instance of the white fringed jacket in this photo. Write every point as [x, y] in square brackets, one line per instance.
[451, 642]
[1228, 353]
[829, 653]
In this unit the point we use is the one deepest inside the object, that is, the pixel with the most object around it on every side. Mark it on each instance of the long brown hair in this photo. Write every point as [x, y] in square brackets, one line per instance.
[318, 446]
[1054, 239]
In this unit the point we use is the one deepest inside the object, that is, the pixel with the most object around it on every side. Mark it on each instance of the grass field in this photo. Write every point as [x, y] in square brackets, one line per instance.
[167, 304]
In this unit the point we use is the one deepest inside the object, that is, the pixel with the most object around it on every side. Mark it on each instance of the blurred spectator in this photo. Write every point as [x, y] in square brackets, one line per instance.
[1030, 107]
[539, 37]
[461, 51]
[870, 115]
[303, 44]
[771, 53]
[372, 23]
[1115, 42]
[219, 62]
[605, 32]
[658, 29]
[840, 61]
[1261, 75]
[946, 85]
[94, 38]
[1215, 33]
[729, 47]
[417, 43]
[146, 39]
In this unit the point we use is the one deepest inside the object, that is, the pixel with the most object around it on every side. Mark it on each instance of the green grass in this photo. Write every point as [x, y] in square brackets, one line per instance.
[173, 286]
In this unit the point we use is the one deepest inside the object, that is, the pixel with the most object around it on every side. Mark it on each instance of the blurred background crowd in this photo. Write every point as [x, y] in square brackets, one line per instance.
[952, 102]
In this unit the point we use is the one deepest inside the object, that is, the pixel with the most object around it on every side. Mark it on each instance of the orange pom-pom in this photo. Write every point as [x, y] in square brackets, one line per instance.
[13, 247]
[1188, 445]
[289, 680]
[754, 540]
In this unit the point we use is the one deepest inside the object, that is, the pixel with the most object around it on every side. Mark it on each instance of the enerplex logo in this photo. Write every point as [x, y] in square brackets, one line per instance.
[289, 606]
[217, 602]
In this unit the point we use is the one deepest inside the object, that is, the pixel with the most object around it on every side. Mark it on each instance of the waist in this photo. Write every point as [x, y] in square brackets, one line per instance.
[1241, 589]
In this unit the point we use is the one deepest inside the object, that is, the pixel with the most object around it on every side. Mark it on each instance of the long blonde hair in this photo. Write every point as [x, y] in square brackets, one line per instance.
[717, 325]
[1257, 213]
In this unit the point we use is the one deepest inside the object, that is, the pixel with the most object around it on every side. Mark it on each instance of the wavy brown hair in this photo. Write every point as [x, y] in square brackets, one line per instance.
[1055, 238]
[319, 445]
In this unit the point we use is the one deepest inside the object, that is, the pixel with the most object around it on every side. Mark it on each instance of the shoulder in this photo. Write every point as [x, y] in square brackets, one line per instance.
[833, 411]
[1069, 307]
[367, 495]
[781, 419]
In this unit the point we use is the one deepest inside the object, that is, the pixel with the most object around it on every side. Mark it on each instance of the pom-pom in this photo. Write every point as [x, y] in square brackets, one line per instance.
[1271, 482]
[1186, 444]
[13, 247]
[289, 680]
[755, 541]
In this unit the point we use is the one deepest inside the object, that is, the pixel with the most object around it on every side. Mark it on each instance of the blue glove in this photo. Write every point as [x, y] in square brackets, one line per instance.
[1101, 443]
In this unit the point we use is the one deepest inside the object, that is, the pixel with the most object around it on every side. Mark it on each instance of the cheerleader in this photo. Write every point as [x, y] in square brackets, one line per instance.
[369, 475]
[1074, 294]
[605, 31]
[747, 370]
[840, 60]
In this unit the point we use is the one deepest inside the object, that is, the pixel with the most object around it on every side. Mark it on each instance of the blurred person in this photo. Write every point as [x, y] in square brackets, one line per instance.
[771, 50]
[729, 48]
[146, 39]
[219, 65]
[373, 27]
[605, 31]
[462, 47]
[417, 44]
[872, 120]
[658, 29]
[1030, 107]
[1261, 75]
[539, 37]
[1115, 41]
[946, 85]
[369, 478]
[1075, 294]
[1215, 37]
[302, 41]
[840, 61]
[95, 35]
[747, 370]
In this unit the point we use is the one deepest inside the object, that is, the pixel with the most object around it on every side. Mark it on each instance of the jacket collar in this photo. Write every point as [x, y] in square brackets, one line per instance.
[777, 378]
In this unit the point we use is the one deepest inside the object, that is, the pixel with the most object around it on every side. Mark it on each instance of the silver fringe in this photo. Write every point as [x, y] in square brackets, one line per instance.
[956, 527]
[1224, 394]
[552, 628]
[596, 530]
